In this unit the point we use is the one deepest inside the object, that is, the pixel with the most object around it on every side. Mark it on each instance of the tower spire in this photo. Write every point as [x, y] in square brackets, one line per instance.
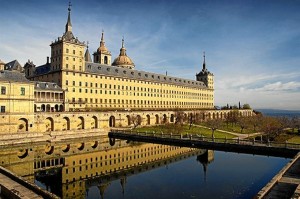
[69, 24]
[102, 43]
[204, 64]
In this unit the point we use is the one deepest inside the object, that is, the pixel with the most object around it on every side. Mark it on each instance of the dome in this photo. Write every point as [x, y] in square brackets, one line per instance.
[123, 60]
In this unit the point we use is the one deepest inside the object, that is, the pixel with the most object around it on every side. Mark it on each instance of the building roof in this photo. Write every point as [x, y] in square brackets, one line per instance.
[1, 62]
[13, 65]
[43, 69]
[102, 48]
[47, 86]
[141, 75]
[123, 60]
[13, 76]
[87, 55]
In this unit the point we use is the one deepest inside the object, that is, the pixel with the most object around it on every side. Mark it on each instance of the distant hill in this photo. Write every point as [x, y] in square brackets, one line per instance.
[278, 112]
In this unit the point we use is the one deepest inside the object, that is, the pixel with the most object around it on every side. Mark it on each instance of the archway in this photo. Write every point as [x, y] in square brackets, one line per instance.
[23, 124]
[148, 119]
[48, 108]
[67, 123]
[61, 108]
[49, 150]
[172, 118]
[43, 108]
[128, 120]
[22, 153]
[49, 124]
[81, 123]
[214, 116]
[112, 121]
[209, 115]
[156, 119]
[164, 119]
[56, 108]
[35, 109]
[139, 119]
[95, 122]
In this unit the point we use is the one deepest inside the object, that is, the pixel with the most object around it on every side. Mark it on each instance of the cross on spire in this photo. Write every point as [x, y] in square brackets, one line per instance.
[69, 9]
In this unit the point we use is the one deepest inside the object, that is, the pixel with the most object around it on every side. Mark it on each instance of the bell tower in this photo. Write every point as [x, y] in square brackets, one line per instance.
[102, 55]
[205, 76]
[67, 52]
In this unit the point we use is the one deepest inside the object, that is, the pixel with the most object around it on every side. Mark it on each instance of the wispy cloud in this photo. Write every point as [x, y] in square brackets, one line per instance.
[279, 86]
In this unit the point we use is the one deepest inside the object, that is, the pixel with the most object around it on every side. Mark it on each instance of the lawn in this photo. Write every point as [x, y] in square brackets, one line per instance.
[185, 130]
[234, 128]
[295, 140]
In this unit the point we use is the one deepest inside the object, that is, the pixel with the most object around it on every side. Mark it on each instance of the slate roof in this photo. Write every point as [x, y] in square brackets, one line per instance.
[43, 69]
[13, 76]
[47, 86]
[13, 65]
[141, 75]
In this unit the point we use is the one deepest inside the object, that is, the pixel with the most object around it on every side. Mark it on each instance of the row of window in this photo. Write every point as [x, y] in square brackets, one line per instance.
[134, 81]
[109, 86]
[138, 102]
[3, 90]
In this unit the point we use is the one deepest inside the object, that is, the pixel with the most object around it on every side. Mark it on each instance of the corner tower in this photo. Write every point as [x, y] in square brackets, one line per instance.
[102, 55]
[67, 52]
[205, 76]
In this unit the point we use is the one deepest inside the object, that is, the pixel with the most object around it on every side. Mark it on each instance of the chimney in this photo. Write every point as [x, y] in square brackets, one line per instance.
[47, 60]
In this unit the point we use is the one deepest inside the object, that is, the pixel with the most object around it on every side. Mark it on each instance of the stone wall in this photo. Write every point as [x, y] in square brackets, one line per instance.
[46, 122]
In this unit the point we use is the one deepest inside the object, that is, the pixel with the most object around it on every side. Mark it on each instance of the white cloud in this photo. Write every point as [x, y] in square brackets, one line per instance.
[279, 86]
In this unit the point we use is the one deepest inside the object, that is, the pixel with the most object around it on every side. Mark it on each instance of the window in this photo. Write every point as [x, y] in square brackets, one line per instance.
[3, 90]
[2, 109]
[22, 91]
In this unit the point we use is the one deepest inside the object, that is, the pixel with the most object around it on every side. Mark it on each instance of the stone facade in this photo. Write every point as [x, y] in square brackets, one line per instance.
[45, 122]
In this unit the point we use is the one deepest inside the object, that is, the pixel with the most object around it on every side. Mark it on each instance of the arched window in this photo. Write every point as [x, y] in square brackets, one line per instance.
[105, 60]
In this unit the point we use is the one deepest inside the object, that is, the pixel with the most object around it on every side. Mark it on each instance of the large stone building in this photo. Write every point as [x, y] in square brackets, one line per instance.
[73, 93]
[106, 85]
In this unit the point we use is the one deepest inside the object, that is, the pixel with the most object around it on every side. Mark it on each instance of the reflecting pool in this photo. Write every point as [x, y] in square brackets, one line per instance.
[94, 169]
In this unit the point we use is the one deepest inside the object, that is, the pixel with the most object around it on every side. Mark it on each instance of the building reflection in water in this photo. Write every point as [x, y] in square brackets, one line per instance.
[69, 169]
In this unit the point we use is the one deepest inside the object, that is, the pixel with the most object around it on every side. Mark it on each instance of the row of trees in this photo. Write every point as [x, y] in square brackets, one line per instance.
[270, 127]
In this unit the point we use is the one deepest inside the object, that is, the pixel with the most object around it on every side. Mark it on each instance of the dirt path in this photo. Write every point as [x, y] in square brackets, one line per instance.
[239, 135]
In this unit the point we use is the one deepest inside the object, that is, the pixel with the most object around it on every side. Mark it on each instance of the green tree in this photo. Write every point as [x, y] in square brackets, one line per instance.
[243, 122]
[214, 124]
[246, 106]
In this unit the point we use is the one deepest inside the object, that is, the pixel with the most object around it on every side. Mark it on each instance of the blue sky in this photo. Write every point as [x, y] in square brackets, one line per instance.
[252, 47]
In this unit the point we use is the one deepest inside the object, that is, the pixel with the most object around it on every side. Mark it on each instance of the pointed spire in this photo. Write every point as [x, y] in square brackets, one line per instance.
[69, 24]
[87, 55]
[102, 43]
[204, 64]
[123, 49]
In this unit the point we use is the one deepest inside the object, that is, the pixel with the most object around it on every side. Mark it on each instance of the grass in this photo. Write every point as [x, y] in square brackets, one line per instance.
[295, 139]
[185, 130]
